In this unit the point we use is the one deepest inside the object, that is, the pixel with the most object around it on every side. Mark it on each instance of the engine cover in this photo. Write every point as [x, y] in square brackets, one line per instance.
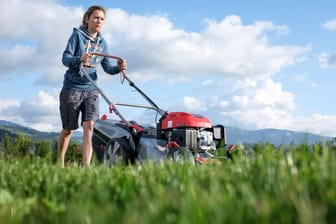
[185, 120]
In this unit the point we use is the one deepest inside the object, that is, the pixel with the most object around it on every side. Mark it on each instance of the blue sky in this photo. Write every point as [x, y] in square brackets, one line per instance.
[248, 64]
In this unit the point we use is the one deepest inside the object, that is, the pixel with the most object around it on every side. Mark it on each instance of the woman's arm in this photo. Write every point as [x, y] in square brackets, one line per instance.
[69, 58]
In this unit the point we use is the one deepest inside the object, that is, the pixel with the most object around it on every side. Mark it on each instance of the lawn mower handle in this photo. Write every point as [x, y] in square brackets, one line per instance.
[131, 83]
[111, 56]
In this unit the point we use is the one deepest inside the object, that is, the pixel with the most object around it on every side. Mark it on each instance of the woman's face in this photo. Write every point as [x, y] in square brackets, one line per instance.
[95, 21]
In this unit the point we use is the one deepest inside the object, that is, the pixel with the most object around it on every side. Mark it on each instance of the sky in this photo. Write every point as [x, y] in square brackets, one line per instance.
[246, 64]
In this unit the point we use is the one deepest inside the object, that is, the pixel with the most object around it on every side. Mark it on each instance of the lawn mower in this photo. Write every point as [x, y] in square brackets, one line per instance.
[176, 136]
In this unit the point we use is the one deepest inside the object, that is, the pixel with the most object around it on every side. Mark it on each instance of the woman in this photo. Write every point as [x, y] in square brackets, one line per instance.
[78, 94]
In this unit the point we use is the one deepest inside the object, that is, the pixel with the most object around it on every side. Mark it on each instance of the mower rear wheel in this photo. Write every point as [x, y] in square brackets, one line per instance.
[119, 152]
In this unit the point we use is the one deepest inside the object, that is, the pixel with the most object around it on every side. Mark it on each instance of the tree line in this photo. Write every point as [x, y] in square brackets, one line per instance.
[22, 146]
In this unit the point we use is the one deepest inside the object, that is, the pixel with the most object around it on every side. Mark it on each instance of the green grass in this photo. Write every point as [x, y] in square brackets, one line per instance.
[295, 184]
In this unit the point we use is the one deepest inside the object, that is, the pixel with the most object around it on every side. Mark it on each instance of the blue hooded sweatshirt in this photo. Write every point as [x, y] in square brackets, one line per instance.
[79, 42]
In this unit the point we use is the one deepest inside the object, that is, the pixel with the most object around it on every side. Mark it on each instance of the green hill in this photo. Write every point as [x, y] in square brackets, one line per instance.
[13, 130]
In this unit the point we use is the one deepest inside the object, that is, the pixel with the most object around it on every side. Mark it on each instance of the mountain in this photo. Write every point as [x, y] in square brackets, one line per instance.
[270, 135]
[13, 130]
[234, 135]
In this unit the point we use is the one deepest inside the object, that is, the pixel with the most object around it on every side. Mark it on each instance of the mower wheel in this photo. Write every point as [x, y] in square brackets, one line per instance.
[119, 152]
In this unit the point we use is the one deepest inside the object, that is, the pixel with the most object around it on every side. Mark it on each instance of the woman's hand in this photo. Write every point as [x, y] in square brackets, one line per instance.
[122, 65]
[85, 58]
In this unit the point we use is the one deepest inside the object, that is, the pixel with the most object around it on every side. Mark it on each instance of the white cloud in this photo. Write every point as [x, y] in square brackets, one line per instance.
[40, 112]
[208, 83]
[329, 25]
[151, 44]
[6, 103]
[263, 105]
[193, 104]
[255, 105]
[316, 123]
[225, 47]
[35, 36]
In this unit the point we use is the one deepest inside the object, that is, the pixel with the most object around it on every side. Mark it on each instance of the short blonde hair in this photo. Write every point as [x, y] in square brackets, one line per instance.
[89, 12]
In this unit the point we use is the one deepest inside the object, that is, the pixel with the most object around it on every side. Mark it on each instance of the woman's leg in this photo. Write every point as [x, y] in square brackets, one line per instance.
[87, 142]
[62, 144]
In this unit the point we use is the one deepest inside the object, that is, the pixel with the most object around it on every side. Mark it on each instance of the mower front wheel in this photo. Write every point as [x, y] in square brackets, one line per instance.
[119, 152]
[182, 155]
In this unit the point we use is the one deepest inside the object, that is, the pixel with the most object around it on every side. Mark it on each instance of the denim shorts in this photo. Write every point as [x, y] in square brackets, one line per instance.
[73, 102]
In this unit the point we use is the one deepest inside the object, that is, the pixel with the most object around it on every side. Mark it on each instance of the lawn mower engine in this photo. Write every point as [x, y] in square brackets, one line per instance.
[190, 131]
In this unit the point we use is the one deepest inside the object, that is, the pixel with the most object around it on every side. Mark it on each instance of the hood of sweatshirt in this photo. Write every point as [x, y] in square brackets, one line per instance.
[82, 30]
